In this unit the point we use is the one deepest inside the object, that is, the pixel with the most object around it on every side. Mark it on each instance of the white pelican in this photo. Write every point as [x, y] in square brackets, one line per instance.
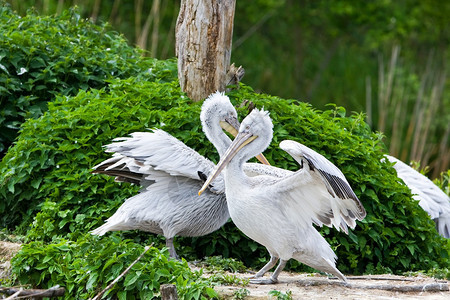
[171, 174]
[431, 198]
[279, 213]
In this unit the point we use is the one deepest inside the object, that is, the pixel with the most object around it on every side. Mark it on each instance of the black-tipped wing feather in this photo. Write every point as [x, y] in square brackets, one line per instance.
[341, 207]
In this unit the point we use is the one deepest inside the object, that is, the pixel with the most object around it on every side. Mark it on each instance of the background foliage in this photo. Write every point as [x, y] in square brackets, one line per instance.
[41, 57]
[321, 52]
[48, 193]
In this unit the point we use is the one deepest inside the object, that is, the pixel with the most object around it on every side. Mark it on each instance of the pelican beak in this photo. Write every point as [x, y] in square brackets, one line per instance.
[231, 125]
[239, 142]
[262, 159]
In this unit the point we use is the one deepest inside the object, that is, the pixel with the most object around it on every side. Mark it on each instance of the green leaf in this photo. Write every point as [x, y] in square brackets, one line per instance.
[109, 262]
[411, 249]
[63, 247]
[163, 272]
[211, 293]
[46, 259]
[36, 182]
[2, 67]
[122, 295]
[91, 281]
[405, 261]
[130, 279]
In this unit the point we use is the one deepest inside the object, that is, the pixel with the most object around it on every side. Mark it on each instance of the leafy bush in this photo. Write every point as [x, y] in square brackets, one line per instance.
[87, 266]
[47, 171]
[64, 144]
[45, 181]
[41, 57]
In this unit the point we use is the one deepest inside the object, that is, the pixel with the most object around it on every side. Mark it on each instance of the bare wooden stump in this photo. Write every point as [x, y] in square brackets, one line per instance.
[203, 35]
[168, 292]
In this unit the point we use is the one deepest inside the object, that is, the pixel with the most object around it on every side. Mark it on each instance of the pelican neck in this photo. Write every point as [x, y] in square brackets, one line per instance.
[215, 134]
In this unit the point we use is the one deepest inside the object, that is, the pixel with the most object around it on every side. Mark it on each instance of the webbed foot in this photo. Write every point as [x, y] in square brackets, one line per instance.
[260, 280]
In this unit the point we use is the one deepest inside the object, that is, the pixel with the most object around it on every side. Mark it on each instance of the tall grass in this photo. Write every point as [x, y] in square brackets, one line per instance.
[412, 110]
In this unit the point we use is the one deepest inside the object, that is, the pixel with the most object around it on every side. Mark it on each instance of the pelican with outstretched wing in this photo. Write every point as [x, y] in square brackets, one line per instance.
[279, 211]
[170, 174]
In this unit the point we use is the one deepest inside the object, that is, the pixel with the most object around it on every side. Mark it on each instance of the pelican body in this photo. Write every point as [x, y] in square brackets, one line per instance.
[279, 211]
[431, 198]
[170, 174]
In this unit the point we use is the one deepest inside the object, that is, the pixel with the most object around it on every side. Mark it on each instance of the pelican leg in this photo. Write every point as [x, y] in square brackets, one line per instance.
[257, 278]
[274, 278]
[278, 270]
[171, 247]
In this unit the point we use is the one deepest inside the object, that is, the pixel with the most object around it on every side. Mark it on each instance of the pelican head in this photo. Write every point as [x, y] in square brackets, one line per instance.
[217, 109]
[254, 136]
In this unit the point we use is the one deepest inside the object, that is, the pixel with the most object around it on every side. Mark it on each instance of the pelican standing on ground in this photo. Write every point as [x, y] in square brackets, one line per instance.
[279, 213]
[171, 174]
[431, 198]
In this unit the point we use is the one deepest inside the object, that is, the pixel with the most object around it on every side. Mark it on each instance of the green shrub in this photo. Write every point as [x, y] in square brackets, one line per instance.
[64, 144]
[45, 181]
[42, 56]
[47, 172]
[87, 266]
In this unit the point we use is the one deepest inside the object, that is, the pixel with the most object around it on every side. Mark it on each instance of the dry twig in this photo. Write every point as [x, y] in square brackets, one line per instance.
[20, 293]
[99, 295]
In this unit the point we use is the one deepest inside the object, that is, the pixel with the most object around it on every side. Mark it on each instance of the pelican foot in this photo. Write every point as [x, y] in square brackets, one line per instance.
[263, 281]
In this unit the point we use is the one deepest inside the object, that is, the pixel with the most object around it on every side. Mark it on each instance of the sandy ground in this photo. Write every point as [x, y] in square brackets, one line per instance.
[8, 250]
[310, 286]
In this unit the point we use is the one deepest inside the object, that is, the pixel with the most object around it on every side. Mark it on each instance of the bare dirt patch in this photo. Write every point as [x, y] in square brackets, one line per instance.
[307, 286]
[7, 251]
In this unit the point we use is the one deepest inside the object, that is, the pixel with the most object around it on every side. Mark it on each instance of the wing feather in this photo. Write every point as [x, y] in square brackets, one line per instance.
[431, 198]
[137, 156]
[124, 169]
[321, 188]
[162, 151]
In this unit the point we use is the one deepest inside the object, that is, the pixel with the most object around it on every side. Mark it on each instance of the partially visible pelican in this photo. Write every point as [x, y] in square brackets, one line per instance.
[431, 198]
[170, 174]
[279, 213]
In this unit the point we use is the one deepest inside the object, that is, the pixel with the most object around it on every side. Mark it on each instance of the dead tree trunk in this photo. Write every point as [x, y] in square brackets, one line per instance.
[203, 35]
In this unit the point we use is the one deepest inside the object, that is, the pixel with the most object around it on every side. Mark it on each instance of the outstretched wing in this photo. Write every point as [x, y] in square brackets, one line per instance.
[321, 189]
[135, 157]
